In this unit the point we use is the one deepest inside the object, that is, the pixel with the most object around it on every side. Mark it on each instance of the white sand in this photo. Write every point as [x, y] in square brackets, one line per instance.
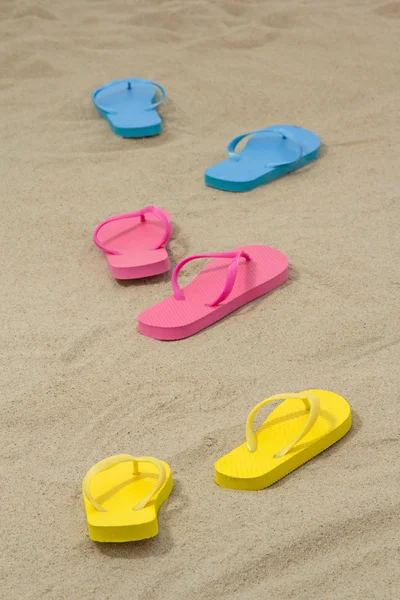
[81, 384]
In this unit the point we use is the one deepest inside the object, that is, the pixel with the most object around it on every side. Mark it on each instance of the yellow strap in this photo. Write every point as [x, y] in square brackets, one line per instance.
[112, 461]
[310, 400]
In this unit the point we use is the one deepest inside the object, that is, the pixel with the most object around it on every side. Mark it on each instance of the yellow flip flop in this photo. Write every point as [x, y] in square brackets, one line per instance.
[317, 418]
[122, 501]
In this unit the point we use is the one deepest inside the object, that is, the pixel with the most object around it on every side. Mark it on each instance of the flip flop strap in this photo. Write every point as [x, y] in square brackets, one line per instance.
[236, 155]
[230, 277]
[312, 404]
[112, 461]
[129, 86]
[139, 213]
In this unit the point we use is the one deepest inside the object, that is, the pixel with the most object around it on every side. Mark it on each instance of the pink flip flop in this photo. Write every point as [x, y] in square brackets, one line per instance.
[134, 243]
[251, 272]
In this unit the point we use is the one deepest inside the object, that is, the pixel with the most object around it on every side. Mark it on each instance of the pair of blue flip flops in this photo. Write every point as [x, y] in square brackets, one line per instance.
[129, 105]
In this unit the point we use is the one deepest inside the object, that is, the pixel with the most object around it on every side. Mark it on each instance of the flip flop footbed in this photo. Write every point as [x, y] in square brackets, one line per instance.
[126, 109]
[174, 319]
[251, 169]
[117, 490]
[135, 241]
[246, 470]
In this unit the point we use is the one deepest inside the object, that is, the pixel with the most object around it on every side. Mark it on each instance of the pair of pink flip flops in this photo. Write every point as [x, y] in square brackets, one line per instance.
[134, 245]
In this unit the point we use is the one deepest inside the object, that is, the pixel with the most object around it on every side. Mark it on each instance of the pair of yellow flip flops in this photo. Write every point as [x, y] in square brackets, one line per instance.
[122, 494]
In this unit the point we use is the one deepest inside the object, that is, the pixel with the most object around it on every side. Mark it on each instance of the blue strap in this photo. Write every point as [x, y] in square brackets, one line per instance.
[236, 155]
[129, 87]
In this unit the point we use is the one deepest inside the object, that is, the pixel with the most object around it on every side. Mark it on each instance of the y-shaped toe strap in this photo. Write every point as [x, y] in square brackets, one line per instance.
[112, 461]
[312, 404]
[139, 213]
[273, 132]
[230, 277]
[128, 83]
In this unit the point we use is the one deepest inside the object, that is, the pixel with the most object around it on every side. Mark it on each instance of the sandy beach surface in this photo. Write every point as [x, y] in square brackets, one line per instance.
[80, 384]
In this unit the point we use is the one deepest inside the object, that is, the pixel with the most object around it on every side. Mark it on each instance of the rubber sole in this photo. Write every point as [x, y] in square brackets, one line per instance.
[179, 333]
[246, 186]
[139, 132]
[260, 483]
[123, 274]
[132, 533]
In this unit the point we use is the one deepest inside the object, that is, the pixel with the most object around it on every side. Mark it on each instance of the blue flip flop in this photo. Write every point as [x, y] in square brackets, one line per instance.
[129, 106]
[269, 154]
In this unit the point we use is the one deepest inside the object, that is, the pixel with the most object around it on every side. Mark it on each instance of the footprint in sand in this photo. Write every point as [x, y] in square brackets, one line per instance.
[390, 11]
[21, 64]
[280, 20]
[35, 11]
[233, 8]
[247, 38]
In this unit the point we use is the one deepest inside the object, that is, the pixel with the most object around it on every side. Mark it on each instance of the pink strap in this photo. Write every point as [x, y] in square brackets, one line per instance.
[230, 278]
[140, 213]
